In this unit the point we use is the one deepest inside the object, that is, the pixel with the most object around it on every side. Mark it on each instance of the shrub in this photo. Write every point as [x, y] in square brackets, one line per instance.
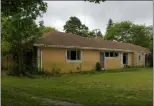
[98, 66]
[55, 70]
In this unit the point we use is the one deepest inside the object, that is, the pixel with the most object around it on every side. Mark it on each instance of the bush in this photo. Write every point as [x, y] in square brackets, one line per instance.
[98, 66]
[55, 70]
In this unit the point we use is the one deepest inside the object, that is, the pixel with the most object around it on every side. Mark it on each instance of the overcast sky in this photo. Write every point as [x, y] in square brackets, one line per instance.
[96, 16]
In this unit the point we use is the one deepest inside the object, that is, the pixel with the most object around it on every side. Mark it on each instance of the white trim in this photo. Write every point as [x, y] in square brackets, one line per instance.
[121, 58]
[128, 59]
[74, 61]
[62, 46]
[39, 58]
[110, 53]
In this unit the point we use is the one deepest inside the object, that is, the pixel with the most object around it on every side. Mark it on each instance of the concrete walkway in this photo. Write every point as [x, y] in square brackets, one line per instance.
[57, 103]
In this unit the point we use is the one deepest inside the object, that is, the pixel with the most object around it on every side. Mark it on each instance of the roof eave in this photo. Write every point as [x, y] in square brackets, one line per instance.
[78, 47]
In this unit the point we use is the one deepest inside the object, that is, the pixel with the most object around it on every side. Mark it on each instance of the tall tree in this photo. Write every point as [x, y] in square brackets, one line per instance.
[95, 1]
[110, 23]
[31, 7]
[83, 31]
[99, 33]
[19, 26]
[128, 32]
[75, 26]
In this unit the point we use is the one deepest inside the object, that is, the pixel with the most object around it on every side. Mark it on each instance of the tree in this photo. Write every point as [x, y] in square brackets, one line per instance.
[84, 31]
[95, 1]
[19, 27]
[128, 32]
[110, 23]
[149, 31]
[99, 33]
[31, 7]
[20, 31]
[92, 33]
[95, 33]
[44, 29]
[75, 26]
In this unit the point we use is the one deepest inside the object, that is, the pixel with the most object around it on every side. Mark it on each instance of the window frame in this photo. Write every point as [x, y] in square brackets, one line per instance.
[110, 54]
[69, 60]
[117, 54]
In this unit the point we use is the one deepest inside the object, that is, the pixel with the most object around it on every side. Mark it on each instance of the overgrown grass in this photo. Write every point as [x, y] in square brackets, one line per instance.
[123, 88]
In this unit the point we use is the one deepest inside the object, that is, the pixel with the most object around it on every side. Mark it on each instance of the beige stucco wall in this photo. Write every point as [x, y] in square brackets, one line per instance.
[88, 61]
[130, 59]
[57, 56]
[112, 63]
[117, 62]
[138, 62]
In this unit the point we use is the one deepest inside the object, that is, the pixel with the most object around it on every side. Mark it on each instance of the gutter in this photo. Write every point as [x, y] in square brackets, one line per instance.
[88, 48]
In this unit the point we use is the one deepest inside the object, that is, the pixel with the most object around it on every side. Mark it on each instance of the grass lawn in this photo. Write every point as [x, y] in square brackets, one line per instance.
[130, 88]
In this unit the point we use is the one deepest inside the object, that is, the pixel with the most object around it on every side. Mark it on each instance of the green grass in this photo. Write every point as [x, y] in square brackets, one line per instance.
[130, 88]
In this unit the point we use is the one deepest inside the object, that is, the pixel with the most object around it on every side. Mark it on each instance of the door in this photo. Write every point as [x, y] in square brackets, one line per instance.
[102, 59]
[125, 58]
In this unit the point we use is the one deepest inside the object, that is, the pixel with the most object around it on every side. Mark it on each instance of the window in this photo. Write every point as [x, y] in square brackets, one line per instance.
[139, 57]
[73, 55]
[111, 54]
[116, 54]
[106, 54]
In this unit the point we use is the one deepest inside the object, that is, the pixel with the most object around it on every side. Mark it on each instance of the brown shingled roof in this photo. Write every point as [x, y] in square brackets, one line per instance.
[68, 39]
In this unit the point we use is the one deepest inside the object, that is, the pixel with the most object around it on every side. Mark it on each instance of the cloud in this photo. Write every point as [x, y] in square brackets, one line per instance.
[96, 16]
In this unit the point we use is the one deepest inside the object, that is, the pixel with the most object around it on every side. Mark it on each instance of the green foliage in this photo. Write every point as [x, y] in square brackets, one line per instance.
[19, 29]
[31, 8]
[47, 29]
[128, 32]
[93, 33]
[98, 66]
[96, 1]
[5, 46]
[75, 26]
[110, 23]
[99, 33]
[55, 69]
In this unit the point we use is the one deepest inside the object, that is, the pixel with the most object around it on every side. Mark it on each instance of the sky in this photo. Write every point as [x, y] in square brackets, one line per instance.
[96, 16]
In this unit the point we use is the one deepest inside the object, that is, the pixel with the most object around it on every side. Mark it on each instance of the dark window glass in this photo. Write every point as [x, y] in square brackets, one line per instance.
[106, 54]
[73, 55]
[116, 54]
[111, 54]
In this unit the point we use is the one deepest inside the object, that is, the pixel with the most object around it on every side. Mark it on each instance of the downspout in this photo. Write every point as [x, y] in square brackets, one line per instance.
[38, 58]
